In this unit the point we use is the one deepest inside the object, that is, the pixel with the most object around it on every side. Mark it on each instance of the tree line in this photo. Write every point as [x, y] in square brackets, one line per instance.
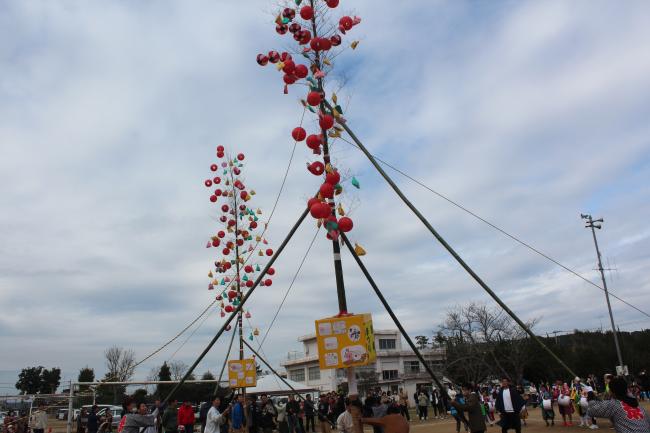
[483, 343]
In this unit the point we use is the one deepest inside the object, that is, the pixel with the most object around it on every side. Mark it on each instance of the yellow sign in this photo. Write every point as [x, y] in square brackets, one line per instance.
[242, 373]
[345, 341]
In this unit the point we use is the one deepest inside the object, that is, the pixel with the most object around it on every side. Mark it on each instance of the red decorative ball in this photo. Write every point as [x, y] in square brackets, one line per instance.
[289, 79]
[271, 271]
[298, 133]
[345, 224]
[281, 29]
[221, 233]
[262, 60]
[301, 71]
[224, 208]
[294, 27]
[213, 198]
[214, 167]
[325, 44]
[320, 210]
[227, 265]
[268, 282]
[225, 251]
[289, 67]
[243, 194]
[208, 183]
[236, 170]
[274, 57]
[269, 252]
[215, 242]
[220, 148]
[253, 224]
[305, 37]
[346, 22]
[248, 268]
[228, 309]
[216, 180]
[312, 201]
[289, 13]
[232, 294]
[306, 13]
[315, 44]
[240, 242]
[314, 140]
[231, 223]
[285, 56]
[316, 168]
[241, 157]
[228, 328]
[332, 3]
[335, 40]
[326, 121]
[223, 219]
[218, 192]
[219, 154]
[249, 283]
[314, 98]
[333, 178]
[327, 190]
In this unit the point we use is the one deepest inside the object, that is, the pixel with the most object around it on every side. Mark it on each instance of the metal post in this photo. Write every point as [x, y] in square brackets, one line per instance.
[70, 408]
[592, 226]
[448, 247]
[336, 248]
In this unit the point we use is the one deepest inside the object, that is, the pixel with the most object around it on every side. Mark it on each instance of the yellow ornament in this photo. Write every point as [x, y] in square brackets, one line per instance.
[359, 250]
[334, 98]
[210, 274]
[256, 332]
[354, 44]
[340, 210]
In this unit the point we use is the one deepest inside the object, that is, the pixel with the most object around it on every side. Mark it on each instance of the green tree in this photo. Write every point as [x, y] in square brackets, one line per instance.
[30, 380]
[164, 374]
[204, 391]
[140, 395]
[50, 380]
[86, 374]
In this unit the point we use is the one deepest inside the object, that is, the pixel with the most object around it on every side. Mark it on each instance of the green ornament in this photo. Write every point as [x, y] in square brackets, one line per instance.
[245, 278]
[257, 268]
[255, 218]
[223, 282]
[355, 182]
[250, 337]
[339, 109]
[285, 20]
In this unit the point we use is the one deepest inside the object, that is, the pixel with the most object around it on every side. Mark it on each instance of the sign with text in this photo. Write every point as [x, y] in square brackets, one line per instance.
[242, 373]
[345, 341]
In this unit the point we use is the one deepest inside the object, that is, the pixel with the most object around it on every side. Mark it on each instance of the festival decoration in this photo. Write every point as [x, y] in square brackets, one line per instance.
[304, 24]
[345, 341]
[240, 242]
[242, 373]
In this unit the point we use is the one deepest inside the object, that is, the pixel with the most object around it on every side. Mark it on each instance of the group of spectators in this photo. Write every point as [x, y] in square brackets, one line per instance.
[21, 422]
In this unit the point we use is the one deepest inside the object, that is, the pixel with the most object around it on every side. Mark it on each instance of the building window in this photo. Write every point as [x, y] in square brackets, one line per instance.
[411, 367]
[386, 343]
[341, 373]
[389, 374]
[297, 375]
[314, 373]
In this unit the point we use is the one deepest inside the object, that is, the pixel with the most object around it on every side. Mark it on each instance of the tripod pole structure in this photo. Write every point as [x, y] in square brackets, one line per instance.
[258, 356]
[225, 361]
[239, 308]
[441, 386]
[448, 247]
[592, 226]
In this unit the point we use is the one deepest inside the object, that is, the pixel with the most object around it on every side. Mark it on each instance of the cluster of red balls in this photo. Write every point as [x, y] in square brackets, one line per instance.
[233, 207]
[285, 24]
[320, 209]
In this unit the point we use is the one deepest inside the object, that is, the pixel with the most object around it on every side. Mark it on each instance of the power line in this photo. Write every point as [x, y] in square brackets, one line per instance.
[494, 226]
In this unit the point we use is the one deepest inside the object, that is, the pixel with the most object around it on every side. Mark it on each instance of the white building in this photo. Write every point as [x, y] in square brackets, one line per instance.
[396, 366]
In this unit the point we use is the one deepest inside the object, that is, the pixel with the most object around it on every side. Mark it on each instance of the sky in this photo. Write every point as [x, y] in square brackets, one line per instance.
[526, 112]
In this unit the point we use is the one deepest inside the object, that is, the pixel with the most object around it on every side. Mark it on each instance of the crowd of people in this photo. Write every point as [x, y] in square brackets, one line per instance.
[472, 407]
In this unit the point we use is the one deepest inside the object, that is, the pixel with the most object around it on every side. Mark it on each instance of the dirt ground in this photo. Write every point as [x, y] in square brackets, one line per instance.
[535, 424]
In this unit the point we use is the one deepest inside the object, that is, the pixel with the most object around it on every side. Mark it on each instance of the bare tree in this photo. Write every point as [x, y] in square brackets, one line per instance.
[483, 342]
[120, 364]
[178, 369]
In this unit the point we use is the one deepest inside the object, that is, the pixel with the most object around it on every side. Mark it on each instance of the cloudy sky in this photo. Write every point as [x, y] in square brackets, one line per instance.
[527, 112]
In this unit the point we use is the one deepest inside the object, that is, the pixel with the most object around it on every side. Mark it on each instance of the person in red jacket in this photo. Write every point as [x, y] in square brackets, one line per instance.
[186, 416]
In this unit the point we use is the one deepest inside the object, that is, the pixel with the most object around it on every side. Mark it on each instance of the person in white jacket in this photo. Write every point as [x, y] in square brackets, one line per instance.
[38, 420]
[215, 418]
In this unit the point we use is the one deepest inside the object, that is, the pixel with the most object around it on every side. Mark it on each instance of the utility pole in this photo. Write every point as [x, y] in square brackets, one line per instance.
[591, 223]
